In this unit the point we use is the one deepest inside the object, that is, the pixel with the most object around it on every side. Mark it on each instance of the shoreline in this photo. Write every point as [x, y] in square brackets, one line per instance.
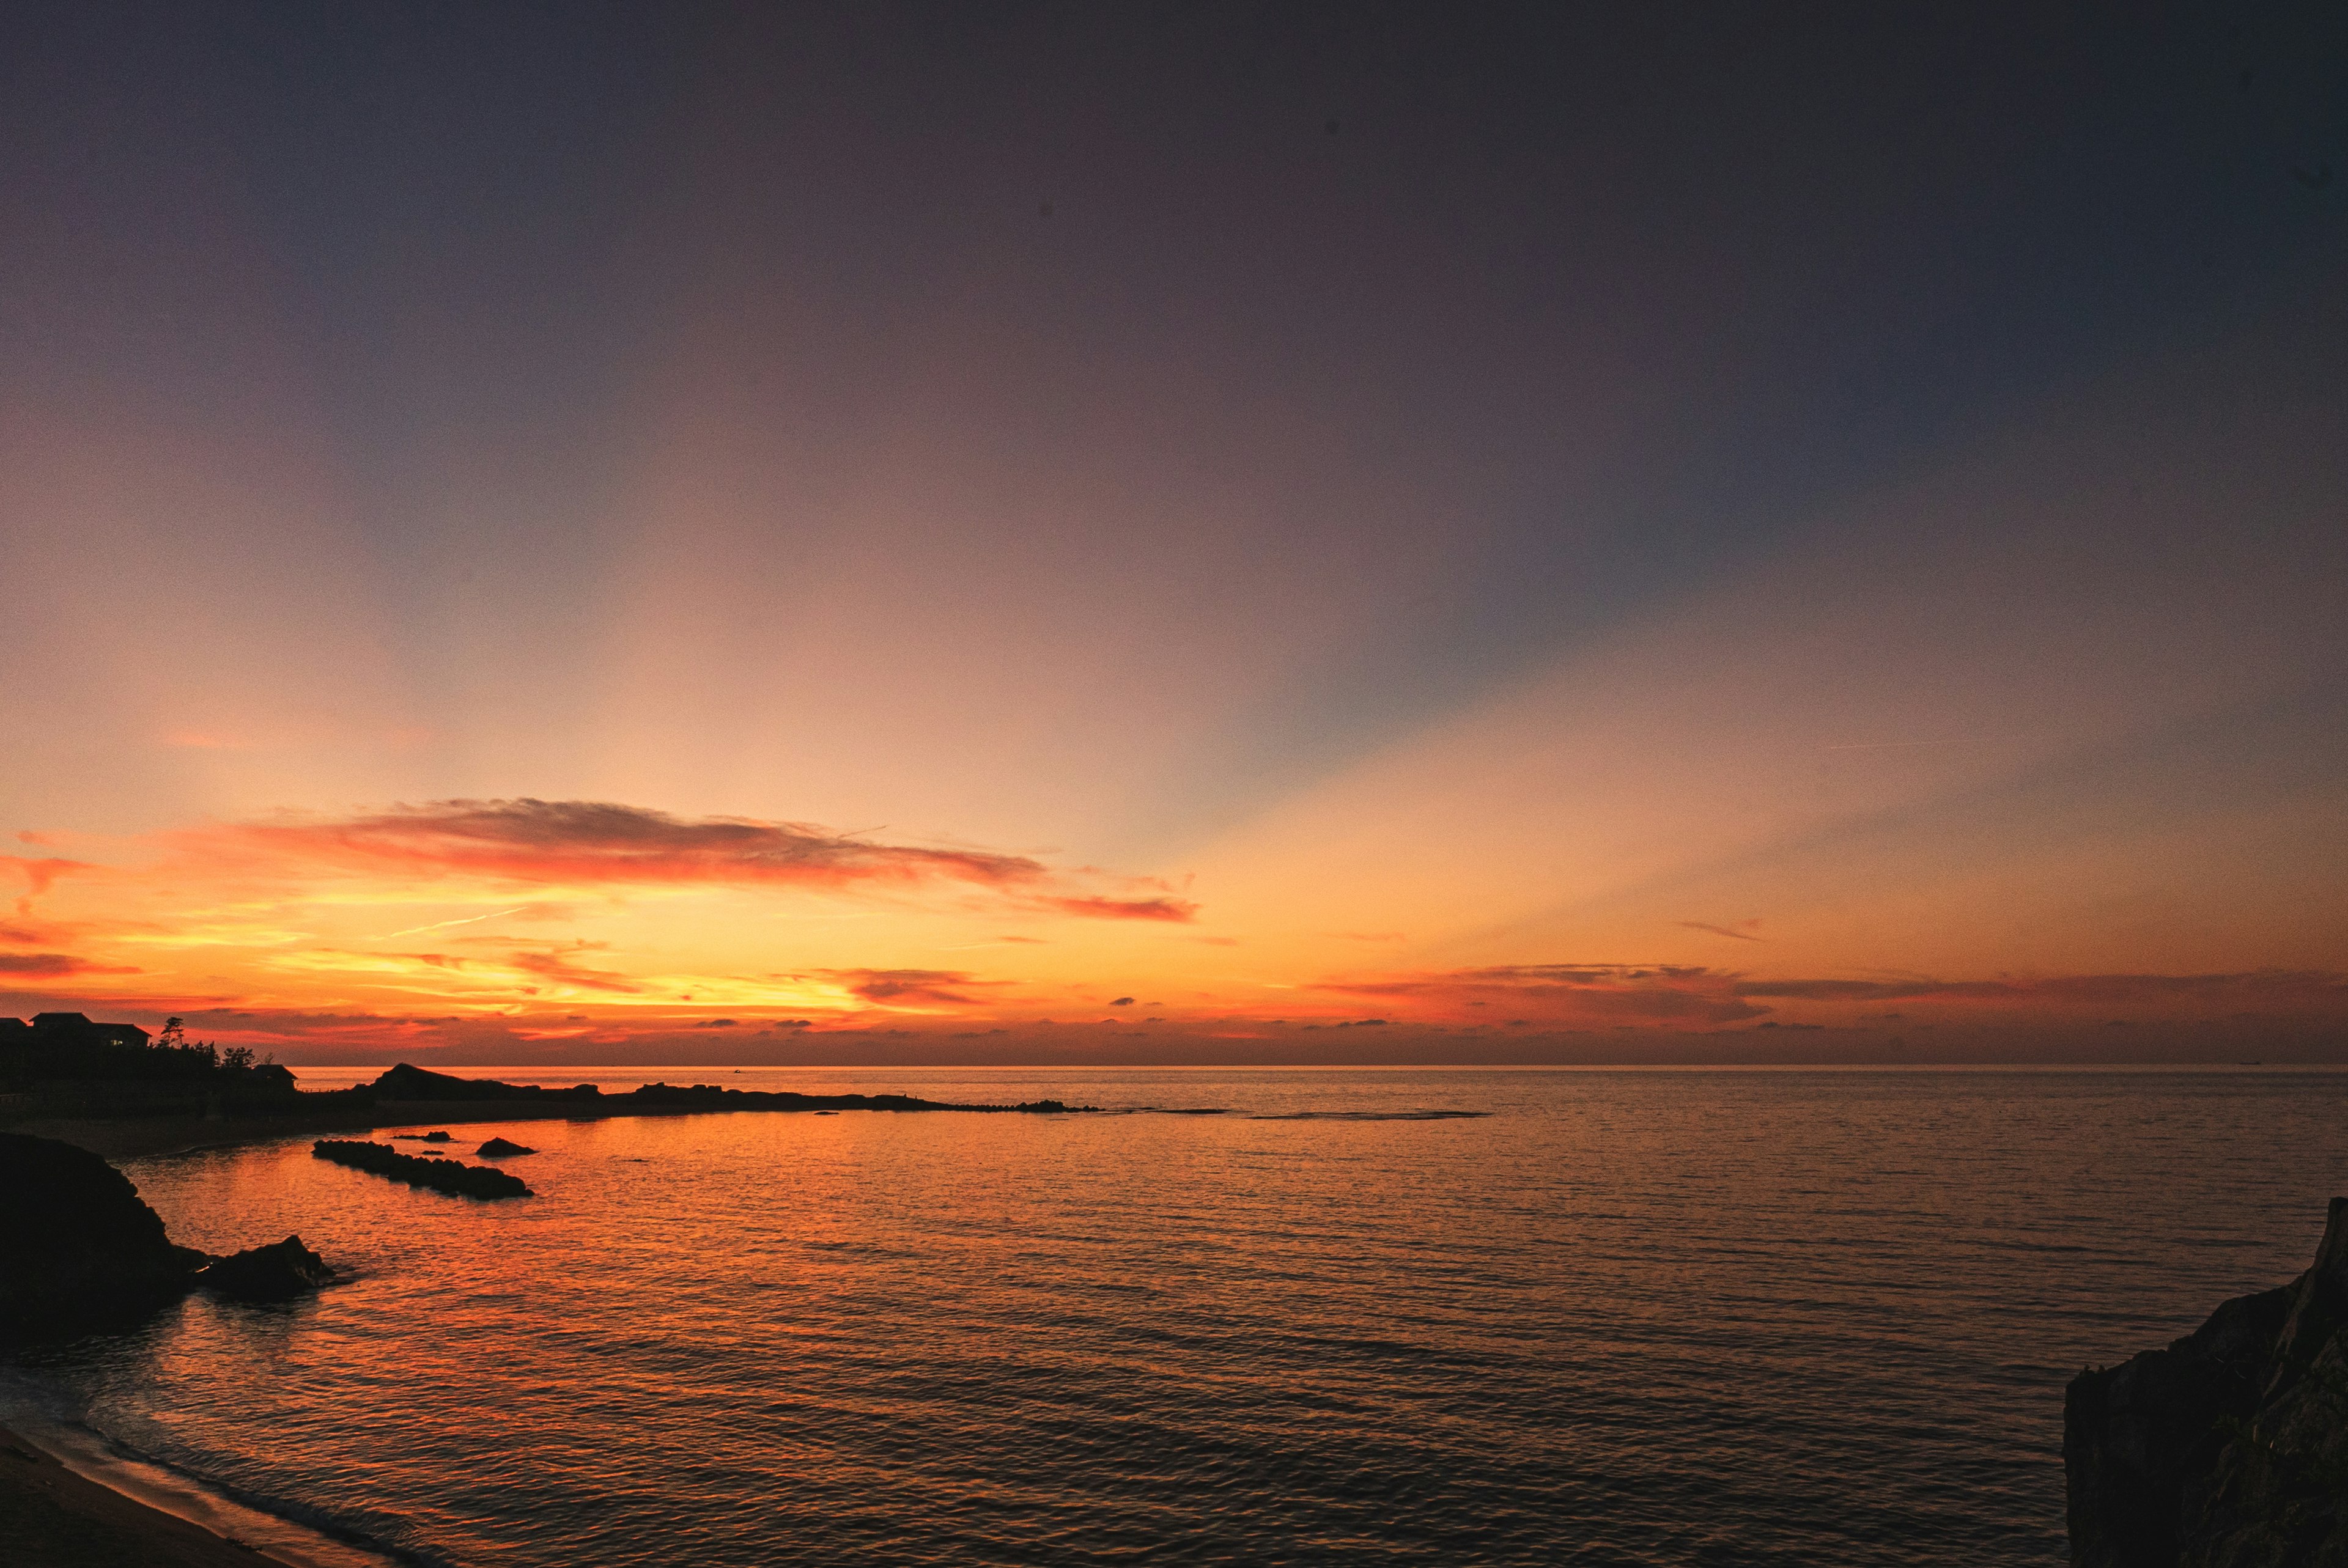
[69, 1497]
[148, 1137]
[142, 1138]
[145, 1138]
[55, 1516]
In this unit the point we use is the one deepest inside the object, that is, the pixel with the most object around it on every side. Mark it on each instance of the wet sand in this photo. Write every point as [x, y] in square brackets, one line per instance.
[52, 1518]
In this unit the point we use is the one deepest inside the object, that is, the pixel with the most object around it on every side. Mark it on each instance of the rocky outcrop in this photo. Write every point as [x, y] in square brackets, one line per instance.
[273, 1272]
[440, 1175]
[2230, 1448]
[408, 1083]
[502, 1149]
[78, 1247]
[712, 1097]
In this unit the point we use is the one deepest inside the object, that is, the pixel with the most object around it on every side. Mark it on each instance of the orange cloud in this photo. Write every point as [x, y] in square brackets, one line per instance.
[1125, 908]
[1742, 930]
[948, 988]
[2254, 990]
[1567, 995]
[56, 966]
[588, 844]
[554, 966]
[40, 875]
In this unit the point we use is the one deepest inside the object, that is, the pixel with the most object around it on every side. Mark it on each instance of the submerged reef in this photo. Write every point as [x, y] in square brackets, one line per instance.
[2230, 1448]
[440, 1175]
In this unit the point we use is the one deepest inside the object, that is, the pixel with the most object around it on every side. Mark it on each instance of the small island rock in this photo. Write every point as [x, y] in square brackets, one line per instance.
[270, 1273]
[502, 1149]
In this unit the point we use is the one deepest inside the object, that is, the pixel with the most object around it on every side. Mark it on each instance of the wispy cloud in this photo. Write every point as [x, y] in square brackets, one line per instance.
[2265, 987]
[1125, 908]
[40, 875]
[444, 925]
[590, 844]
[1744, 930]
[554, 966]
[56, 966]
[944, 988]
[1570, 995]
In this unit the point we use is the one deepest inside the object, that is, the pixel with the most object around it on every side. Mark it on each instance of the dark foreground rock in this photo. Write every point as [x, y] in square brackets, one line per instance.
[78, 1247]
[2230, 1448]
[440, 1175]
[503, 1149]
[273, 1272]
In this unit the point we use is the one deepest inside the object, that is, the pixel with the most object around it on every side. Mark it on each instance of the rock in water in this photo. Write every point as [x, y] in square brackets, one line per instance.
[2230, 1448]
[440, 1175]
[78, 1247]
[502, 1149]
[269, 1273]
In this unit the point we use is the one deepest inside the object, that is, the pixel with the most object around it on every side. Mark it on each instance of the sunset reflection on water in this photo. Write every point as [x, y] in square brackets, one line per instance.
[1809, 1316]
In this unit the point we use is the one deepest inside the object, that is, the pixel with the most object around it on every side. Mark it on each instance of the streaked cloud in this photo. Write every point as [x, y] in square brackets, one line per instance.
[1744, 930]
[910, 988]
[40, 875]
[594, 844]
[1569, 995]
[56, 966]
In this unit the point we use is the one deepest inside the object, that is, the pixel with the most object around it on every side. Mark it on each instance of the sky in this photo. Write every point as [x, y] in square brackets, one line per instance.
[1207, 534]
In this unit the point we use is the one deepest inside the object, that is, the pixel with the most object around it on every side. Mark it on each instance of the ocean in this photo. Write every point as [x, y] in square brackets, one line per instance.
[1642, 1316]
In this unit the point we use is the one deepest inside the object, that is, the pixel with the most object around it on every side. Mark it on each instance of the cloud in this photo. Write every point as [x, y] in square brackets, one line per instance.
[1122, 1002]
[1575, 993]
[536, 844]
[1742, 930]
[465, 920]
[1125, 908]
[1570, 995]
[40, 875]
[52, 966]
[2272, 986]
[554, 966]
[946, 987]
[716, 1023]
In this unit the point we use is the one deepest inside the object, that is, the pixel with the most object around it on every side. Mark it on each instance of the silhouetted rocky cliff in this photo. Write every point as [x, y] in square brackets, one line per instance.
[2230, 1448]
[77, 1245]
[80, 1249]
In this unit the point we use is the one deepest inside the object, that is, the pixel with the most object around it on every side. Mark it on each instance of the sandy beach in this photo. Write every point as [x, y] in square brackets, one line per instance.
[52, 1518]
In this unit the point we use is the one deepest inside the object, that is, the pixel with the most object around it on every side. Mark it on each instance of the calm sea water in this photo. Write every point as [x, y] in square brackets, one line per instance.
[1628, 1317]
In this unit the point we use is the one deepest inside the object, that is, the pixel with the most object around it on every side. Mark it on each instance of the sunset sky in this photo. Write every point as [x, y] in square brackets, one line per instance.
[1039, 534]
